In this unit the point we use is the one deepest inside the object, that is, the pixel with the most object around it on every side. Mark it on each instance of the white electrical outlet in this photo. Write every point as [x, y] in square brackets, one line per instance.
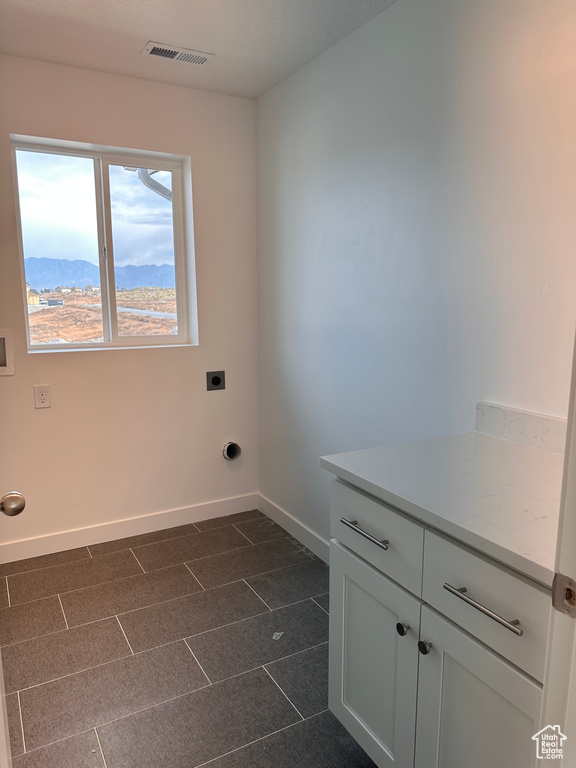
[42, 396]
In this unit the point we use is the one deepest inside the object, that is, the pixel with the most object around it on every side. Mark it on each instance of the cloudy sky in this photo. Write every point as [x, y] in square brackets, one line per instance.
[58, 211]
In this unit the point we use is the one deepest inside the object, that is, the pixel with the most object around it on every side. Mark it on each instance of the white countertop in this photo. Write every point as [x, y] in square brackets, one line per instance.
[494, 495]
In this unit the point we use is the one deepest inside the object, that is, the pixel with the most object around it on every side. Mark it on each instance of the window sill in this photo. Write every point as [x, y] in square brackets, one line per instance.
[58, 350]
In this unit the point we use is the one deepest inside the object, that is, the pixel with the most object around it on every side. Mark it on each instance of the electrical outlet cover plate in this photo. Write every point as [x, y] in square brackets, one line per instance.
[215, 380]
[42, 396]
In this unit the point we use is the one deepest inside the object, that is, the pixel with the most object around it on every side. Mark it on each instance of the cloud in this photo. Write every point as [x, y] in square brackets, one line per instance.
[59, 214]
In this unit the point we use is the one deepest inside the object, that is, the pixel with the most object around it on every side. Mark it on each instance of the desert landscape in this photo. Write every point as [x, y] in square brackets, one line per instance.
[79, 318]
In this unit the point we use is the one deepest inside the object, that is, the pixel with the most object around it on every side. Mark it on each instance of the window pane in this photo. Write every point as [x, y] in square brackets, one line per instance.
[143, 240]
[60, 241]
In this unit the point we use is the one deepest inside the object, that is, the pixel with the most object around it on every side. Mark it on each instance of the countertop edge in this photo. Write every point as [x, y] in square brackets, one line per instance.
[522, 565]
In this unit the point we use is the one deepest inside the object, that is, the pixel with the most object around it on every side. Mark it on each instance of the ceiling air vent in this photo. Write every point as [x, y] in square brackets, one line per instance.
[184, 55]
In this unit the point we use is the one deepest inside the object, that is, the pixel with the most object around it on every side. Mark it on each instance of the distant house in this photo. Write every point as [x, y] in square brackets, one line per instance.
[32, 295]
[63, 289]
[92, 289]
[77, 289]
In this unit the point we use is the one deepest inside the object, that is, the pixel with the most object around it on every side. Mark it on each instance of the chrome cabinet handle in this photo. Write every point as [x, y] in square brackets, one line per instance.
[353, 524]
[512, 625]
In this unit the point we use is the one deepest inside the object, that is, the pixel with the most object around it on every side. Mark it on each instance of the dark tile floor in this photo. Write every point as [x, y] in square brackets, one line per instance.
[205, 644]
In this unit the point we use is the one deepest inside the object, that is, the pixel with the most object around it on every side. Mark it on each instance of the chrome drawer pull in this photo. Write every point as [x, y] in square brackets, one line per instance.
[355, 527]
[512, 625]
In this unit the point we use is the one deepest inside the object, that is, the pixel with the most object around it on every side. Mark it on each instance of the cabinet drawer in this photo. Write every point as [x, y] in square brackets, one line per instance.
[495, 588]
[401, 559]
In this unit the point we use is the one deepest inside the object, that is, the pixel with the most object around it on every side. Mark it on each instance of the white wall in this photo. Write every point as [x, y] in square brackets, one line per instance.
[417, 232]
[132, 433]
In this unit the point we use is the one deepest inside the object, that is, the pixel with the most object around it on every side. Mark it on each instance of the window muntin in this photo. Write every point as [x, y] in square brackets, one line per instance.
[112, 225]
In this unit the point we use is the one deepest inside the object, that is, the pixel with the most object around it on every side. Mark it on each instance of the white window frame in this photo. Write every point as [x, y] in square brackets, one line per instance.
[103, 157]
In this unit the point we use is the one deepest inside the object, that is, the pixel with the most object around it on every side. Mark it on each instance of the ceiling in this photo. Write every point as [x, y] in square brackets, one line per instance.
[257, 43]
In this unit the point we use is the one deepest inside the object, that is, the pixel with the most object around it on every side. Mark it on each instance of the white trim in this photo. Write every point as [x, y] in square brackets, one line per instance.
[103, 157]
[307, 536]
[559, 698]
[5, 752]
[8, 369]
[119, 529]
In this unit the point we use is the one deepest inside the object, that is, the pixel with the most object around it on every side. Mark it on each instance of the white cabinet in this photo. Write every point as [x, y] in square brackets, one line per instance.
[440, 694]
[373, 669]
[474, 708]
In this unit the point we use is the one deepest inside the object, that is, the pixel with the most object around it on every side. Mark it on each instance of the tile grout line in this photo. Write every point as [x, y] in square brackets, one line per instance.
[131, 714]
[283, 693]
[21, 722]
[239, 621]
[234, 525]
[36, 637]
[124, 633]
[251, 576]
[44, 567]
[149, 544]
[102, 664]
[296, 653]
[95, 728]
[63, 613]
[174, 698]
[268, 664]
[173, 642]
[318, 604]
[152, 605]
[194, 577]
[205, 631]
[214, 554]
[58, 741]
[58, 631]
[133, 610]
[113, 581]
[8, 592]
[78, 589]
[197, 662]
[162, 541]
[101, 750]
[303, 601]
[138, 561]
[257, 595]
[181, 597]
[255, 741]
[153, 570]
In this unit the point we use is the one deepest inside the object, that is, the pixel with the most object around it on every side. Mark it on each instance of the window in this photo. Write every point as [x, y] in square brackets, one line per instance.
[104, 246]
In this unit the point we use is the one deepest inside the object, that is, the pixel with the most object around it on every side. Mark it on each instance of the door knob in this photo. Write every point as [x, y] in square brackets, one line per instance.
[402, 629]
[12, 503]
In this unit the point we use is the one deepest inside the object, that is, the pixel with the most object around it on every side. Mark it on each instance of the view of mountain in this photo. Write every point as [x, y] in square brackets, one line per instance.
[49, 273]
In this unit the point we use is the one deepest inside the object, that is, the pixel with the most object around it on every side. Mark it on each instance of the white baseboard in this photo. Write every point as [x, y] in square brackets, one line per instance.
[119, 529]
[306, 535]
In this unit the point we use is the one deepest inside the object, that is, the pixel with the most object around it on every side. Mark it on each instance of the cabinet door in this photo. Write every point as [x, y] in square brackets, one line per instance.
[474, 708]
[373, 669]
